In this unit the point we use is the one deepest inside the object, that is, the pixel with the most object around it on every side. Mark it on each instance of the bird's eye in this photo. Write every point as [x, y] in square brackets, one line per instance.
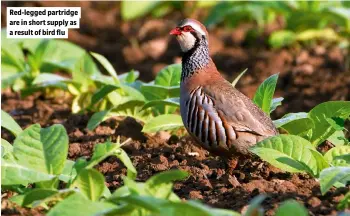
[187, 28]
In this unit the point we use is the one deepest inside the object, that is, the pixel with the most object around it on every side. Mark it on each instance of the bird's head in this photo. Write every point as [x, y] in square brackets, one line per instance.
[188, 33]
